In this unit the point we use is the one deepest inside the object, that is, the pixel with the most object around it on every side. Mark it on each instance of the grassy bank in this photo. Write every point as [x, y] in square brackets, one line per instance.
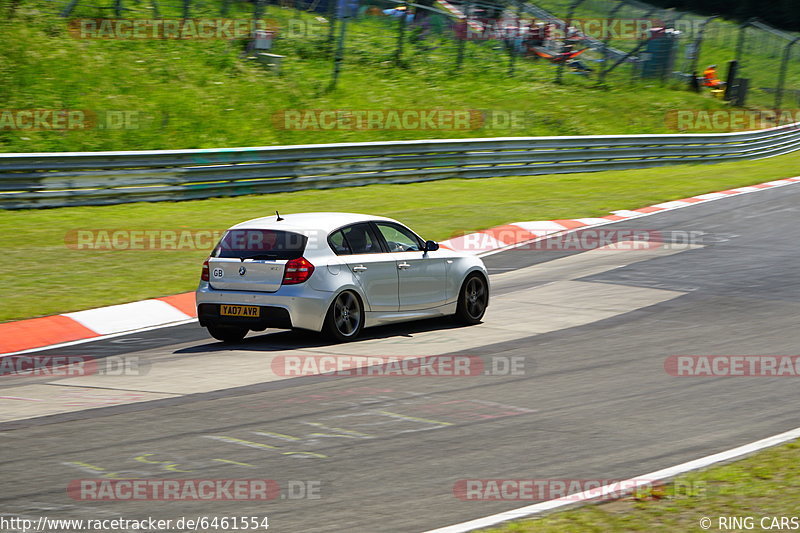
[762, 486]
[33, 242]
[205, 93]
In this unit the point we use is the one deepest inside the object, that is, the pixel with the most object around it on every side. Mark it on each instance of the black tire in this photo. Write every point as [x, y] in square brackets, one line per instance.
[473, 297]
[345, 318]
[227, 333]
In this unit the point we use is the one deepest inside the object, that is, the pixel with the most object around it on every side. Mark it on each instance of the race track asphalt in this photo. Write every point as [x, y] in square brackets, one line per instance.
[592, 330]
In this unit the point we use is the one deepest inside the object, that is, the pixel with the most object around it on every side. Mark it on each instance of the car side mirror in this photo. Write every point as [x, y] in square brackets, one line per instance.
[431, 246]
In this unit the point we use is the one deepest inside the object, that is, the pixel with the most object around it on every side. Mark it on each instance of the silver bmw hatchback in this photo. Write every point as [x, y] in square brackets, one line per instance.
[334, 273]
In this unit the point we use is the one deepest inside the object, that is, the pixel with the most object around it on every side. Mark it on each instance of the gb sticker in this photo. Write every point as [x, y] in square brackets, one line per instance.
[218, 273]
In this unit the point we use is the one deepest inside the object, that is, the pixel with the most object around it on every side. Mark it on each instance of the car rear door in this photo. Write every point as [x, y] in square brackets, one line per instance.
[422, 275]
[375, 269]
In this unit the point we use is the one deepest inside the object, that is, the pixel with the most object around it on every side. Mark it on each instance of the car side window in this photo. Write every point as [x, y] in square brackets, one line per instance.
[339, 244]
[361, 240]
[398, 238]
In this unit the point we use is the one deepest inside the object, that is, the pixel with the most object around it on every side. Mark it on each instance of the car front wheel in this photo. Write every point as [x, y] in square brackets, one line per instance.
[345, 318]
[472, 300]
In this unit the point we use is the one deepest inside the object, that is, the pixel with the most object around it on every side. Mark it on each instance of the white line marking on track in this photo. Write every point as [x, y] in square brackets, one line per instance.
[633, 483]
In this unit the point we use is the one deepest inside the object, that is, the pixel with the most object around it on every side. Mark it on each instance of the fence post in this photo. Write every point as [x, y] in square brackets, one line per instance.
[573, 6]
[258, 9]
[601, 76]
[636, 68]
[401, 30]
[332, 25]
[462, 40]
[698, 42]
[740, 40]
[68, 8]
[628, 55]
[512, 42]
[787, 52]
[730, 79]
[187, 9]
[338, 57]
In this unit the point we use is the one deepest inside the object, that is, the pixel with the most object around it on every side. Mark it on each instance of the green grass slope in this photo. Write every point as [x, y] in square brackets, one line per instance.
[205, 93]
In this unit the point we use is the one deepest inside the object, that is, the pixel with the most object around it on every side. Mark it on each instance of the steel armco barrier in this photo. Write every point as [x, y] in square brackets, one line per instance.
[34, 180]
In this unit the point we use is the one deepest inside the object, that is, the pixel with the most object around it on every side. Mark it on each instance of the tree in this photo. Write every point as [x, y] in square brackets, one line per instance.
[784, 14]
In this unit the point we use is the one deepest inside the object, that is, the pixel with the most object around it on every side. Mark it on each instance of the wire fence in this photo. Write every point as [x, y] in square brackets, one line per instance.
[569, 41]
[465, 36]
[767, 57]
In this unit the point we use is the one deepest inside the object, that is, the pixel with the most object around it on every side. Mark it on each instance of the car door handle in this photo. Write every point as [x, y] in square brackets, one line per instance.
[359, 268]
[403, 266]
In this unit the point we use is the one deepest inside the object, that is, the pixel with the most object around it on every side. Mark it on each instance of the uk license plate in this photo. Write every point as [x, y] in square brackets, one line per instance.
[250, 311]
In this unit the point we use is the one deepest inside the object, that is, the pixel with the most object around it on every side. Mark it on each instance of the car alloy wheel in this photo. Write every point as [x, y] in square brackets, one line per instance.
[345, 318]
[473, 300]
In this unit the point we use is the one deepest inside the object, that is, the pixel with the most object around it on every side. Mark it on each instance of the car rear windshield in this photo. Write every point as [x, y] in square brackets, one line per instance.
[260, 244]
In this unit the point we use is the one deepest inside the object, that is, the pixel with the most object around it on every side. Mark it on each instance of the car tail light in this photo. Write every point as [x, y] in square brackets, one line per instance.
[297, 271]
[204, 274]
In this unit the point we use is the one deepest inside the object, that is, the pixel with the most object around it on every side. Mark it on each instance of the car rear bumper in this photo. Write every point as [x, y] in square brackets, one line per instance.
[289, 307]
[269, 317]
